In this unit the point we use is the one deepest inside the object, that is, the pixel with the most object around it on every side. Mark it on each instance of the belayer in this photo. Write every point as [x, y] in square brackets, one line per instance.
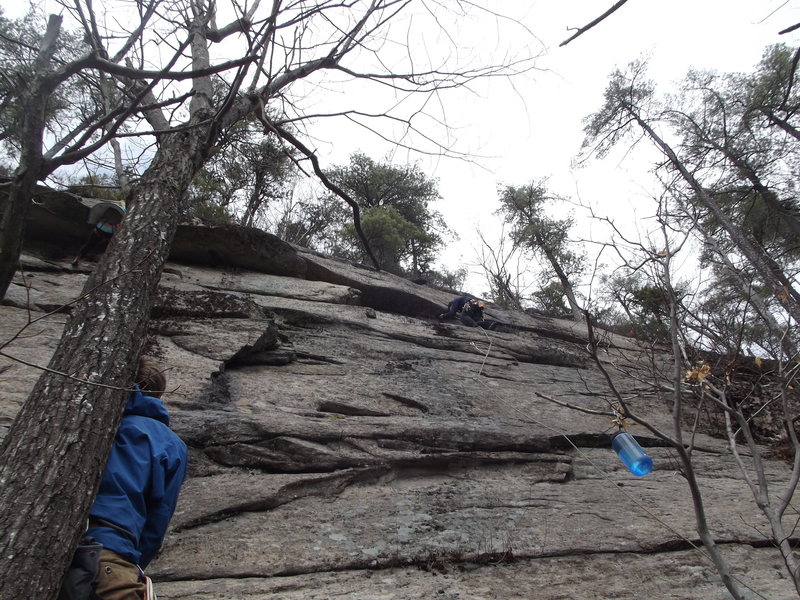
[469, 310]
[137, 496]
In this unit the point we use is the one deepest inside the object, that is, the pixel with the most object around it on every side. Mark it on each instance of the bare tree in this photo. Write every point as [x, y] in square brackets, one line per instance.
[50, 468]
[503, 268]
[700, 383]
[667, 378]
[692, 386]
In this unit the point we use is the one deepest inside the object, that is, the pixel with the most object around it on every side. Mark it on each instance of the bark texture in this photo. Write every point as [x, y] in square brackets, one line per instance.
[54, 453]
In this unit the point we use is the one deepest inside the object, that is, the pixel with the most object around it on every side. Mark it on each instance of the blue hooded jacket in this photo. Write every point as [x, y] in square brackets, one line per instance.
[139, 488]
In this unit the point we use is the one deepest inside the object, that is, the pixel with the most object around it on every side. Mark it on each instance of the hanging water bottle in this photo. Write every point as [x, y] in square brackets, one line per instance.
[631, 453]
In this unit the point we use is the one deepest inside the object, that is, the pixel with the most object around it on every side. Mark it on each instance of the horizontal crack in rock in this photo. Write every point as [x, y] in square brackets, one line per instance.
[325, 486]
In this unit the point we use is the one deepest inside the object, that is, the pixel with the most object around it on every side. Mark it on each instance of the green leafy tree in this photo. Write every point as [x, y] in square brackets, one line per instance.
[209, 198]
[726, 323]
[387, 233]
[308, 222]
[524, 208]
[403, 229]
[630, 107]
[747, 164]
[551, 300]
[452, 281]
[736, 172]
[725, 176]
[771, 93]
[645, 303]
[248, 172]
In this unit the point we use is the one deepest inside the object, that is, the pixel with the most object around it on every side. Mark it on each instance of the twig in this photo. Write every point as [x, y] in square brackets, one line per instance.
[572, 406]
[586, 28]
[68, 376]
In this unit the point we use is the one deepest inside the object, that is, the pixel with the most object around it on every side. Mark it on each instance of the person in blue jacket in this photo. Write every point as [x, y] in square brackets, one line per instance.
[138, 490]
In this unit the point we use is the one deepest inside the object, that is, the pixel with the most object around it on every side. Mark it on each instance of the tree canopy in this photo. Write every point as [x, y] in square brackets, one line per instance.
[524, 208]
[402, 227]
[728, 164]
[249, 173]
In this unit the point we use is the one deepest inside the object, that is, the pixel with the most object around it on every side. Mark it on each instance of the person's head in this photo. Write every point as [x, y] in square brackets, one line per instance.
[150, 378]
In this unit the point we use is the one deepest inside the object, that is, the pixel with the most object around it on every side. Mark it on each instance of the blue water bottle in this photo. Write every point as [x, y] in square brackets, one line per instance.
[631, 453]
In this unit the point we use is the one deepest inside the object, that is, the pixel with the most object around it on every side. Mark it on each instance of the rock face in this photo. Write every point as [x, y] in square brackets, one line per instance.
[346, 444]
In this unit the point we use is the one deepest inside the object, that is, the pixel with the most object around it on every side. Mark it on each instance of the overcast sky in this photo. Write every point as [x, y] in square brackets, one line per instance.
[535, 129]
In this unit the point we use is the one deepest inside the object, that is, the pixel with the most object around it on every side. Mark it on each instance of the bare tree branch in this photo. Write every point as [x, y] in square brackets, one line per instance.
[588, 26]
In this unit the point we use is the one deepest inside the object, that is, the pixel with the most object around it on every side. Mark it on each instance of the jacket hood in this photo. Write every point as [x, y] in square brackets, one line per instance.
[146, 406]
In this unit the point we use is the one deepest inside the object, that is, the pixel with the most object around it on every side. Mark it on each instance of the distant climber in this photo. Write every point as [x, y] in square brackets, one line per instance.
[106, 217]
[469, 310]
[138, 490]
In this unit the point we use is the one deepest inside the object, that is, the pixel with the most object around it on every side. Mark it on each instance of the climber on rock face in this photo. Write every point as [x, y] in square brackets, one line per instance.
[469, 310]
[106, 217]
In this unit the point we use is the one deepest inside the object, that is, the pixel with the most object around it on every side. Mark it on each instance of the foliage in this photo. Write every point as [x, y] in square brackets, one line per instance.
[771, 95]
[387, 233]
[727, 324]
[728, 180]
[729, 168]
[644, 303]
[452, 281]
[161, 93]
[97, 185]
[308, 222]
[611, 124]
[752, 163]
[551, 300]
[524, 208]
[208, 198]
[401, 227]
[20, 40]
[248, 172]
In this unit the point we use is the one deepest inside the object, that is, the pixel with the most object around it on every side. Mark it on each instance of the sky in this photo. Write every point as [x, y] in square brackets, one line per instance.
[531, 127]
[534, 129]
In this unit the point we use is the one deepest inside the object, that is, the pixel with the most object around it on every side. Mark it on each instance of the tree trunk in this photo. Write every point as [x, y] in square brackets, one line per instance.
[782, 123]
[53, 455]
[577, 312]
[757, 258]
[769, 197]
[14, 211]
[13, 215]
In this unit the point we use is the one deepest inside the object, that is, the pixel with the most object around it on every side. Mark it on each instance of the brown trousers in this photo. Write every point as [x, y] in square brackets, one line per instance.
[119, 579]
